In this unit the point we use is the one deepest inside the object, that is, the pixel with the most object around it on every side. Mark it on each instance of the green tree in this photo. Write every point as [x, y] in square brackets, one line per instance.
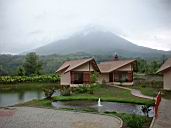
[142, 65]
[2, 71]
[32, 64]
[20, 71]
[48, 92]
[154, 66]
[94, 77]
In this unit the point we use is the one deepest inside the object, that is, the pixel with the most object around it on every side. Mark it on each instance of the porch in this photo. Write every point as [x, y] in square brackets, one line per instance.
[80, 77]
[121, 77]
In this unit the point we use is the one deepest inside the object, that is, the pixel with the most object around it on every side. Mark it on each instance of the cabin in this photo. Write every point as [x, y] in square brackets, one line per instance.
[165, 69]
[117, 72]
[76, 72]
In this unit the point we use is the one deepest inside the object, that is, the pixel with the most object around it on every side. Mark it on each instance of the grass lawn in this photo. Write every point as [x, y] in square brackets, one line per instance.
[107, 94]
[149, 91]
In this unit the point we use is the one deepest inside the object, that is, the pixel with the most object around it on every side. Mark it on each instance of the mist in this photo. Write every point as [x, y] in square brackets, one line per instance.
[28, 24]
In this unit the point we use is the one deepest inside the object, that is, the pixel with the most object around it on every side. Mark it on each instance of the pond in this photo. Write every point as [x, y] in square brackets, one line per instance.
[106, 107]
[15, 97]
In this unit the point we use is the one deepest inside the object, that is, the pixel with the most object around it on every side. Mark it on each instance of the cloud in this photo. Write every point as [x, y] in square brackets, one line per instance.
[158, 39]
[26, 24]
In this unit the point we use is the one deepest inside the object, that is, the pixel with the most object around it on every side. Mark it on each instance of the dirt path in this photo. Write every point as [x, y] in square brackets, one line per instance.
[28, 117]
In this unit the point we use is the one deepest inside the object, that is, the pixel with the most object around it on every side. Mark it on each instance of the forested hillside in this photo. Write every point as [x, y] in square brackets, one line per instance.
[9, 64]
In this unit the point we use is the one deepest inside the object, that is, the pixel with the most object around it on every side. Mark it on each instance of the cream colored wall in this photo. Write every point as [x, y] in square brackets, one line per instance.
[84, 67]
[103, 76]
[65, 78]
[127, 67]
[167, 80]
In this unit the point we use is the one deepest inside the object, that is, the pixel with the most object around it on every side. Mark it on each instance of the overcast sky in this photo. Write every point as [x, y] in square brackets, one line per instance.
[27, 24]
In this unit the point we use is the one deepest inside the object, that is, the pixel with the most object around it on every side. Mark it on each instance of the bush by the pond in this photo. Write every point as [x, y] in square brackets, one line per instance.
[81, 89]
[86, 89]
[65, 91]
[132, 120]
[23, 79]
[135, 121]
[49, 92]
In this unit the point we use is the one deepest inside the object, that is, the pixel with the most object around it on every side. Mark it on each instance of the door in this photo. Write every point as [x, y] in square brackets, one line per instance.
[111, 77]
[86, 77]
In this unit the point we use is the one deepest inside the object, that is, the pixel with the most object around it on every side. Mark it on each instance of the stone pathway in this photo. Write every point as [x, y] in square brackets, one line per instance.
[28, 117]
[164, 117]
[135, 92]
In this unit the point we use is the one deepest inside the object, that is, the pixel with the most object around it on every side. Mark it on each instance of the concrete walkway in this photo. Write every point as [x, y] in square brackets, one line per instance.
[135, 92]
[28, 117]
[164, 117]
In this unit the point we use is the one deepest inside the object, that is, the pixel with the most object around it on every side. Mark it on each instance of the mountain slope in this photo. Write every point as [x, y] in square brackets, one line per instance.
[98, 42]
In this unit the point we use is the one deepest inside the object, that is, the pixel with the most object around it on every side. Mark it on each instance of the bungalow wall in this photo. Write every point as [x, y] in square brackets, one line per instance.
[65, 78]
[167, 79]
[105, 76]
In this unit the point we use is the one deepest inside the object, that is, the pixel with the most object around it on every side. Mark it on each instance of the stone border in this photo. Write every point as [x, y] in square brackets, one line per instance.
[152, 122]
[121, 121]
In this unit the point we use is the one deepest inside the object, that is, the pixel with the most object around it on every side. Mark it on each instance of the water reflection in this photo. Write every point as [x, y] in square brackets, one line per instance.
[12, 98]
[106, 107]
[21, 96]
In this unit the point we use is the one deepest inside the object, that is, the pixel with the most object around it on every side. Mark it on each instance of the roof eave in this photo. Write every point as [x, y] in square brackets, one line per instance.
[122, 66]
[162, 70]
[79, 65]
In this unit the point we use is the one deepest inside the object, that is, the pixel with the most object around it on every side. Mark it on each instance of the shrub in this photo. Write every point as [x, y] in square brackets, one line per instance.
[91, 89]
[85, 89]
[82, 89]
[94, 77]
[24, 79]
[49, 92]
[135, 121]
[65, 91]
